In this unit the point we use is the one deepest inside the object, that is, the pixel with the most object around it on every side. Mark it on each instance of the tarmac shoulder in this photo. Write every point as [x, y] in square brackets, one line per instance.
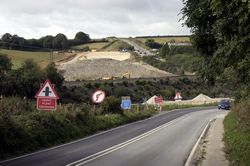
[213, 145]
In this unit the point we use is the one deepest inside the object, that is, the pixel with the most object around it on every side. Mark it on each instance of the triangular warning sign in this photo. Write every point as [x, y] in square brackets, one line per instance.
[47, 91]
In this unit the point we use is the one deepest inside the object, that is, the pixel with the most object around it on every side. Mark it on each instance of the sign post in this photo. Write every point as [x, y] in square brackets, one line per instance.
[159, 101]
[97, 97]
[46, 97]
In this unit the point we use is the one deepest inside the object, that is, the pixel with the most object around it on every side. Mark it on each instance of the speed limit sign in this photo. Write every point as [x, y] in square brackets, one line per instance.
[98, 96]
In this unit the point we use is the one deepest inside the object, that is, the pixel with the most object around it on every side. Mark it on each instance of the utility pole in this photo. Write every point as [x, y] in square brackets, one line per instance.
[51, 56]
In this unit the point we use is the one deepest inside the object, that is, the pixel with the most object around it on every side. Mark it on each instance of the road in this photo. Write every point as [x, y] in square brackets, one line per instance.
[138, 49]
[165, 139]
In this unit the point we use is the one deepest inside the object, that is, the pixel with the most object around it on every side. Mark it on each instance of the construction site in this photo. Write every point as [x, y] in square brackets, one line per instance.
[107, 66]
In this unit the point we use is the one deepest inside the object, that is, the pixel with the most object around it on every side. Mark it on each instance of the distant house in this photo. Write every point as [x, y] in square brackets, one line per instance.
[180, 44]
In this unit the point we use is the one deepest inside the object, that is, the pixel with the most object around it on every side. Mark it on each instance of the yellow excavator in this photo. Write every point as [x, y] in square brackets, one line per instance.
[126, 75]
[123, 76]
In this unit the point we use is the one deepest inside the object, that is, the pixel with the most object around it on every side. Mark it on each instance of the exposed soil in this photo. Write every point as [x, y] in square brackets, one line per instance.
[96, 65]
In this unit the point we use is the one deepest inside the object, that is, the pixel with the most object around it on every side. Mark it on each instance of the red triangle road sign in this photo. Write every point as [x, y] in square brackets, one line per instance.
[47, 91]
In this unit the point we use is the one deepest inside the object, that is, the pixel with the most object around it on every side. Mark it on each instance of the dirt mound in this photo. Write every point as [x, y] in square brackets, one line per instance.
[201, 97]
[151, 100]
[116, 55]
[91, 69]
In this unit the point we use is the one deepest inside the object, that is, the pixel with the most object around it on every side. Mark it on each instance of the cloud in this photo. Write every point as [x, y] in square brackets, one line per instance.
[99, 18]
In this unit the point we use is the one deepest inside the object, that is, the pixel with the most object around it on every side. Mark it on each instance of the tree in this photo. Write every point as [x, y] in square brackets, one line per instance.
[164, 50]
[5, 63]
[33, 43]
[60, 41]
[48, 41]
[81, 38]
[152, 44]
[30, 78]
[200, 18]
[5, 66]
[7, 39]
[53, 75]
[17, 42]
[221, 32]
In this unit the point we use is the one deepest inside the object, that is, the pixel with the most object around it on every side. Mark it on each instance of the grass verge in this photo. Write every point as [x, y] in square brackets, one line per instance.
[237, 140]
[23, 129]
[170, 107]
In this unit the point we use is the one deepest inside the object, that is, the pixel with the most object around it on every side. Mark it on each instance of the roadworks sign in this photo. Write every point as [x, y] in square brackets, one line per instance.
[46, 97]
[47, 91]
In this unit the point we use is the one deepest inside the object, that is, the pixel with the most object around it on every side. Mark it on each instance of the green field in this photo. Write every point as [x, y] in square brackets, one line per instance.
[163, 40]
[42, 58]
[115, 46]
[92, 46]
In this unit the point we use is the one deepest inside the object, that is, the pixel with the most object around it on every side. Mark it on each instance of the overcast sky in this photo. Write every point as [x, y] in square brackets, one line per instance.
[98, 18]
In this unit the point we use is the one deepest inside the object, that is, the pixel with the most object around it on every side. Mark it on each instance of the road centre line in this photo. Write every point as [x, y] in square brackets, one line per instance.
[126, 143]
[86, 138]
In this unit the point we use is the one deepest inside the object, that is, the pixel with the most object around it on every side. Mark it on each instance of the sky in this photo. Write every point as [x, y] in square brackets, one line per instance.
[98, 18]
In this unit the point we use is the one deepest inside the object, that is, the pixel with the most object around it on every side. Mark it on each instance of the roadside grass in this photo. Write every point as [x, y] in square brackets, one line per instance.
[163, 40]
[169, 107]
[237, 135]
[23, 129]
[115, 46]
[42, 58]
[92, 46]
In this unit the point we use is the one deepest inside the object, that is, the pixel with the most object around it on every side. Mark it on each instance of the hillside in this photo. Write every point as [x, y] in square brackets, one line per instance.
[42, 58]
[85, 68]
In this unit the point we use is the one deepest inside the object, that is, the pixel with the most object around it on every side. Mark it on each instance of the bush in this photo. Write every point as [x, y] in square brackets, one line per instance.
[15, 106]
[23, 131]
[152, 44]
[242, 111]
[121, 91]
[111, 105]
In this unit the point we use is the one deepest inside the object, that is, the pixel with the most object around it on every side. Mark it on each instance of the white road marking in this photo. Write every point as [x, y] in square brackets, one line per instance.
[126, 143]
[188, 161]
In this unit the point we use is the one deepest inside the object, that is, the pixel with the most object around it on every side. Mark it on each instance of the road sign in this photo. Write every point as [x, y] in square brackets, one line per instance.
[126, 103]
[46, 104]
[178, 96]
[158, 100]
[47, 91]
[98, 96]
[46, 97]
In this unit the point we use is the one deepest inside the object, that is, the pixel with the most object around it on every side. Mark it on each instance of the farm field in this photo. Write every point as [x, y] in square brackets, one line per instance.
[42, 58]
[163, 40]
[115, 46]
[92, 46]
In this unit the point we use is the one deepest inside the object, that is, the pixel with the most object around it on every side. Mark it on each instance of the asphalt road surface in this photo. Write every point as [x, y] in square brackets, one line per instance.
[165, 139]
[138, 49]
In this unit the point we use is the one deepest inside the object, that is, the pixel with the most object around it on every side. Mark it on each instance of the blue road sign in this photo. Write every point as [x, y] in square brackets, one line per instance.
[126, 104]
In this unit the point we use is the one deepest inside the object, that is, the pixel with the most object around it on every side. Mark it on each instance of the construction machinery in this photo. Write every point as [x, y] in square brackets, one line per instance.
[123, 76]
[126, 75]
